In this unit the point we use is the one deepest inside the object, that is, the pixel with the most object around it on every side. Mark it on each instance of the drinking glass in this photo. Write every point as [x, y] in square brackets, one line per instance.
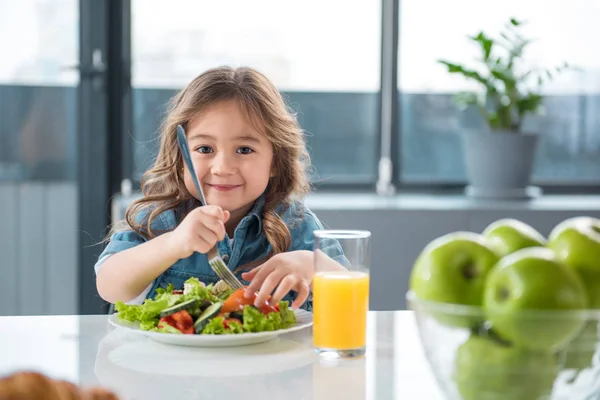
[340, 291]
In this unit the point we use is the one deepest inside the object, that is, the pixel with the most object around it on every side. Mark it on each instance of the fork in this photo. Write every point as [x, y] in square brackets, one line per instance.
[214, 258]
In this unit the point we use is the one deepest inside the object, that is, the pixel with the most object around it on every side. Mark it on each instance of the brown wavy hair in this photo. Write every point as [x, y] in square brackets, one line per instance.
[264, 107]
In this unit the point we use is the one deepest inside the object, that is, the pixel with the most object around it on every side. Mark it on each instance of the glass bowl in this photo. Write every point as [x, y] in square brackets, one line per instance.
[550, 355]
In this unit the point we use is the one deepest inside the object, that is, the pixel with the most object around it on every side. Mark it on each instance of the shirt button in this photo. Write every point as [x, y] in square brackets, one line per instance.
[225, 258]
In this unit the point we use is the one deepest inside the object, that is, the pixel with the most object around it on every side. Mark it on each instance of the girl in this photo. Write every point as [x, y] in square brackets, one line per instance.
[251, 160]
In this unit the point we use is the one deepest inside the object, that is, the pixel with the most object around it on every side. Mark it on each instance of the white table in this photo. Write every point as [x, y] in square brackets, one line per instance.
[88, 351]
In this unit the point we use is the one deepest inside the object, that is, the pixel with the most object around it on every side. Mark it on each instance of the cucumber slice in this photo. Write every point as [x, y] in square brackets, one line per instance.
[206, 316]
[199, 308]
[186, 305]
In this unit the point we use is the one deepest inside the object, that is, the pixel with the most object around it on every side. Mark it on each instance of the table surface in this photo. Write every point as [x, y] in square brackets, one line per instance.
[89, 351]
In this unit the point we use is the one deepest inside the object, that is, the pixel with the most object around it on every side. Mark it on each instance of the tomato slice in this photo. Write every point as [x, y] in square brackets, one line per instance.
[167, 321]
[183, 321]
[237, 301]
[230, 320]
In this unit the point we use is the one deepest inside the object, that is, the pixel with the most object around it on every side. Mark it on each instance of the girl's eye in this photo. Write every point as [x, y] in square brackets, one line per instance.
[204, 150]
[245, 150]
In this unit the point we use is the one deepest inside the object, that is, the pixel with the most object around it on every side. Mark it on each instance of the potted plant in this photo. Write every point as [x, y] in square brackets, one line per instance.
[499, 159]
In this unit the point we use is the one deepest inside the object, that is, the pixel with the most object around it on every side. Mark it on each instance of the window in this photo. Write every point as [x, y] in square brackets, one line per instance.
[37, 89]
[324, 57]
[430, 149]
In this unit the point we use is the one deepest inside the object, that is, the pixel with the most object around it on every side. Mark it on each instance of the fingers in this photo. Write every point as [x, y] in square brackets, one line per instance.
[274, 278]
[204, 227]
[213, 219]
[257, 277]
[267, 287]
[214, 211]
[204, 240]
[287, 283]
[303, 292]
[249, 275]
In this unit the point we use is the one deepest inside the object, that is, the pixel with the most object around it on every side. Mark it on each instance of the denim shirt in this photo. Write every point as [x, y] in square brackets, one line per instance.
[249, 244]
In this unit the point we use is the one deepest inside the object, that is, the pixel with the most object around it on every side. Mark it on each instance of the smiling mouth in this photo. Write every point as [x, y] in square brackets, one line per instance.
[224, 188]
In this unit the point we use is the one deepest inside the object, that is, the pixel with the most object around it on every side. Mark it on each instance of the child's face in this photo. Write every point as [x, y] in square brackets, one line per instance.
[232, 159]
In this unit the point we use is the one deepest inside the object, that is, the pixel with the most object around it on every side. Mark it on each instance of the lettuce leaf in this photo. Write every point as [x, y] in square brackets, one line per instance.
[288, 318]
[216, 327]
[147, 314]
[195, 290]
[235, 327]
[256, 321]
[149, 325]
[224, 295]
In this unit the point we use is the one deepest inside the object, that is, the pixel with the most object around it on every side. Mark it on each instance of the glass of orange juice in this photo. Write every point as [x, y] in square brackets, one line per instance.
[340, 291]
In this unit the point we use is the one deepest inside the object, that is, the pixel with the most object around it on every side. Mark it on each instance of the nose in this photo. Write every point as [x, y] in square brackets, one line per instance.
[223, 164]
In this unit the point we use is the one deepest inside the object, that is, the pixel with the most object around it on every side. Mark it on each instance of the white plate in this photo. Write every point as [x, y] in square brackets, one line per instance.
[304, 319]
[146, 369]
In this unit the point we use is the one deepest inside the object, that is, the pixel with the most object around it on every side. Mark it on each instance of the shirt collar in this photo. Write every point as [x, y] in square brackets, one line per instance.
[257, 212]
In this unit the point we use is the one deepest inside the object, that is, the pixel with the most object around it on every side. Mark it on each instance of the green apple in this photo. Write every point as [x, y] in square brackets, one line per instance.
[531, 299]
[508, 235]
[452, 269]
[486, 370]
[576, 241]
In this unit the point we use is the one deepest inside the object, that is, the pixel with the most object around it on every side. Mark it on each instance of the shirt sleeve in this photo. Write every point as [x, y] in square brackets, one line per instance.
[119, 241]
[128, 238]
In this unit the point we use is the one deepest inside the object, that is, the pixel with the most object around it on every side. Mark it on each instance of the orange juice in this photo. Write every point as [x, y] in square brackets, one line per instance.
[340, 305]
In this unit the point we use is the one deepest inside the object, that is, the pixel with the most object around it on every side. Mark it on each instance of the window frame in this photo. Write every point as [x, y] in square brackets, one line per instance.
[104, 113]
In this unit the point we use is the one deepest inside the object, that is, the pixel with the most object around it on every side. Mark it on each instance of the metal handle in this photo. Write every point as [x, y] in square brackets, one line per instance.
[96, 70]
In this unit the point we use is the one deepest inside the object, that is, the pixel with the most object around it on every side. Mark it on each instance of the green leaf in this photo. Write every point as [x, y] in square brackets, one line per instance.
[215, 327]
[514, 22]
[467, 73]
[485, 43]
[529, 103]
[194, 289]
[506, 76]
[288, 318]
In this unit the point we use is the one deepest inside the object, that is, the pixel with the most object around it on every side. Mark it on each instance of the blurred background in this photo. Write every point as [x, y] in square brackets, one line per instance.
[83, 85]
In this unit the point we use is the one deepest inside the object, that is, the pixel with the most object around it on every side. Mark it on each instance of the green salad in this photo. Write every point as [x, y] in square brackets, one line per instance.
[199, 309]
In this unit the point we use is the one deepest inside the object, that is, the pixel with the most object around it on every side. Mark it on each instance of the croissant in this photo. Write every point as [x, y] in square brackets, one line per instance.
[29, 385]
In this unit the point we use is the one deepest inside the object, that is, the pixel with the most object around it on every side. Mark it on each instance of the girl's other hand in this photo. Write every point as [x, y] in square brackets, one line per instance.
[293, 270]
[199, 231]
